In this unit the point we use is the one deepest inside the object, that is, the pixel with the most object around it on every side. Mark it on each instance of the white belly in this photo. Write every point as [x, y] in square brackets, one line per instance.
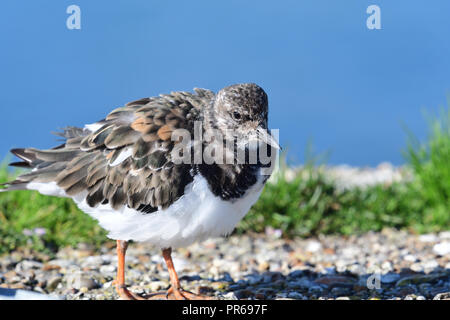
[195, 216]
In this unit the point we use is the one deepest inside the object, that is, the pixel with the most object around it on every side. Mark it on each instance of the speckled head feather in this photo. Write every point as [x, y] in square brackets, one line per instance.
[239, 107]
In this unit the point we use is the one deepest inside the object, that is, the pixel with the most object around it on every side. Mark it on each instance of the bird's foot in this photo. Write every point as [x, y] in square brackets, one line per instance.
[170, 294]
[126, 294]
[177, 294]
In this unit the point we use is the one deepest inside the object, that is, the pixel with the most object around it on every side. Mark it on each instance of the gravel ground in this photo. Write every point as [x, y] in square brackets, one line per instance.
[386, 265]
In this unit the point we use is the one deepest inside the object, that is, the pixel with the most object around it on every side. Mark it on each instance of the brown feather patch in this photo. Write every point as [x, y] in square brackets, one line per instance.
[140, 124]
[165, 132]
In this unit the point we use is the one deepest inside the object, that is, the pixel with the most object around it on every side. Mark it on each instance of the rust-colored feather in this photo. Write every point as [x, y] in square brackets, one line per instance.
[165, 132]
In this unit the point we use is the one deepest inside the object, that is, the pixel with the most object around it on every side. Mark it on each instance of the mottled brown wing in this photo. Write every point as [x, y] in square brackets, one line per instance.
[125, 159]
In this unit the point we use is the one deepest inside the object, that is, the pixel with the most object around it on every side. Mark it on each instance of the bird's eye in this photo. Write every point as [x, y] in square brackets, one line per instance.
[236, 115]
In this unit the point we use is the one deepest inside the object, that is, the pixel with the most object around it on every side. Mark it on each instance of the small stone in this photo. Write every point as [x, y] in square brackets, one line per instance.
[266, 291]
[330, 270]
[50, 267]
[389, 278]
[263, 266]
[295, 295]
[61, 263]
[84, 289]
[442, 248]
[254, 279]
[279, 284]
[315, 290]
[93, 261]
[340, 291]
[243, 294]
[430, 265]
[407, 290]
[219, 285]
[296, 273]
[260, 296]
[108, 284]
[313, 246]
[230, 296]
[335, 280]
[386, 265]
[107, 269]
[234, 287]
[157, 285]
[442, 296]
[410, 258]
[226, 278]
[191, 278]
[416, 279]
[417, 267]
[444, 235]
[53, 283]
[428, 238]
[28, 265]
[204, 290]
[87, 283]
[301, 283]
[350, 251]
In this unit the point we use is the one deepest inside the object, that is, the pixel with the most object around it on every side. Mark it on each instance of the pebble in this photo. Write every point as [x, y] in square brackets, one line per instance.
[313, 246]
[86, 283]
[390, 278]
[442, 296]
[343, 298]
[53, 283]
[428, 238]
[332, 281]
[295, 295]
[417, 279]
[110, 268]
[442, 248]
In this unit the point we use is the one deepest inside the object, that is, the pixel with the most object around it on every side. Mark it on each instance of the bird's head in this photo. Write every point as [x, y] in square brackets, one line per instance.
[240, 111]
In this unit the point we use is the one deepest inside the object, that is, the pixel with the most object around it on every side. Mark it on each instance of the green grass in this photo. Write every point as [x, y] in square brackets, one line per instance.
[308, 205]
[313, 205]
[21, 212]
[430, 162]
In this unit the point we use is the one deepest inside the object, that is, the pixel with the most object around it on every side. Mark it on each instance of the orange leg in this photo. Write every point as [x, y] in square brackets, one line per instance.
[175, 292]
[121, 289]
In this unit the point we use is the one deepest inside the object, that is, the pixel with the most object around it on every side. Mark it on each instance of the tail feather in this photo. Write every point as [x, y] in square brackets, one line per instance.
[45, 164]
[21, 164]
[24, 154]
[13, 185]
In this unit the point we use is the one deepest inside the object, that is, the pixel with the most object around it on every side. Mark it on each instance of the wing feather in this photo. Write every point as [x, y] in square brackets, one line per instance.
[121, 160]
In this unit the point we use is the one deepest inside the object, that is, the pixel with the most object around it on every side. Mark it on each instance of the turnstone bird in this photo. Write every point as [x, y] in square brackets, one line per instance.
[126, 170]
